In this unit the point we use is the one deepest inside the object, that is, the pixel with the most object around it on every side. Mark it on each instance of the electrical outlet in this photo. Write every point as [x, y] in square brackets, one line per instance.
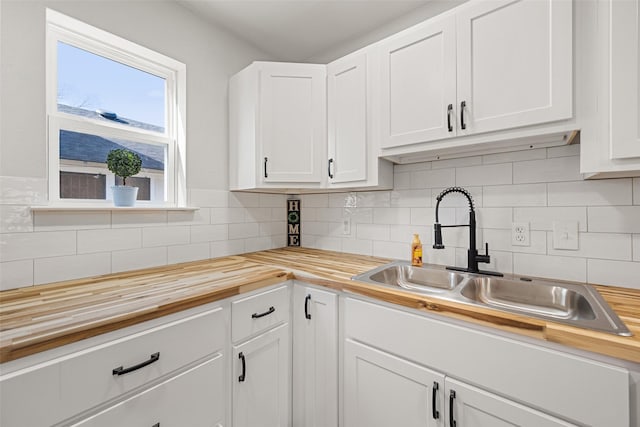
[565, 235]
[346, 226]
[520, 235]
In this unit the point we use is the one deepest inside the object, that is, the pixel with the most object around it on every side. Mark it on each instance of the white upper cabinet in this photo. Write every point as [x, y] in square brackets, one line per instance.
[347, 80]
[353, 145]
[610, 144]
[486, 66]
[418, 83]
[277, 114]
[625, 85]
[514, 63]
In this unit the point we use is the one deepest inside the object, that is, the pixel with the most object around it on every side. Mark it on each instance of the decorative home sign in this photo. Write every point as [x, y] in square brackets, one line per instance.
[293, 222]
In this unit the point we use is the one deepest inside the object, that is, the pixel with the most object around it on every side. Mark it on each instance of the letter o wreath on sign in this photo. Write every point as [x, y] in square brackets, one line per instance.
[293, 222]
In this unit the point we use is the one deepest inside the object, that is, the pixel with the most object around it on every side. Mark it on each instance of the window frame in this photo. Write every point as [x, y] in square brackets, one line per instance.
[62, 28]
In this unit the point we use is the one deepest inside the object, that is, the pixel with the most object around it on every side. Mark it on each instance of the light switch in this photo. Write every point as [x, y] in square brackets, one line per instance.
[565, 235]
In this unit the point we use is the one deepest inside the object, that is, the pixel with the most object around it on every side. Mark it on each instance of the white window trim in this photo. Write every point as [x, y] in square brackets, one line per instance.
[76, 33]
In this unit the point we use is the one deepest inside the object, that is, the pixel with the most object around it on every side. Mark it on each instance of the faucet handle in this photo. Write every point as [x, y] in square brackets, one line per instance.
[484, 258]
[437, 241]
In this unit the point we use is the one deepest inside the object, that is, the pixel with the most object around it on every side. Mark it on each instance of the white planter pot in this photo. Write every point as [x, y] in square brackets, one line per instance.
[123, 195]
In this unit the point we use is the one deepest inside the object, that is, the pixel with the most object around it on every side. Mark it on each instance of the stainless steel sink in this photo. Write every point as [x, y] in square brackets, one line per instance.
[540, 299]
[573, 304]
[415, 278]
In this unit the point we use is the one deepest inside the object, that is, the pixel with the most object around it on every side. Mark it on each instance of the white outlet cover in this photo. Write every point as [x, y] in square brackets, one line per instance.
[520, 235]
[565, 235]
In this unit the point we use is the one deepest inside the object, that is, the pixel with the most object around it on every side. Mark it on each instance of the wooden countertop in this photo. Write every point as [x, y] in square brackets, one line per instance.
[41, 317]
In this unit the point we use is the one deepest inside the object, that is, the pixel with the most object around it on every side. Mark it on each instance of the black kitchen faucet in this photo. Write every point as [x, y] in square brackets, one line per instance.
[473, 258]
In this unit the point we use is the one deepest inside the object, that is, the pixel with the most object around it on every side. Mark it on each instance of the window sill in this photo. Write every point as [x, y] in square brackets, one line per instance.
[95, 208]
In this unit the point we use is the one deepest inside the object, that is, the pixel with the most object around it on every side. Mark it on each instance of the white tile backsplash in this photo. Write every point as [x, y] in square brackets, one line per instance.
[186, 253]
[614, 219]
[515, 195]
[166, 236]
[547, 170]
[109, 240]
[16, 274]
[614, 273]
[41, 244]
[546, 187]
[138, 219]
[603, 192]
[50, 221]
[135, 259]
[71, 267]
[497, 174]
[15, 219]
[209, 233]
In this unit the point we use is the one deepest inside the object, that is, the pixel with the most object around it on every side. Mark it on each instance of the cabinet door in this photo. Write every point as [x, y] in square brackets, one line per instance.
[292, 122]
[315, 358]
[625, 85]
[261, 380]
[514, 63]
[418, 84]
[195, 398]
[478, 408]
[347, 119]
[382, 390]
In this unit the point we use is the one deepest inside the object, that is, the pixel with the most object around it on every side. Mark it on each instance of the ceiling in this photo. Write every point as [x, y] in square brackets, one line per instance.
[296, 30]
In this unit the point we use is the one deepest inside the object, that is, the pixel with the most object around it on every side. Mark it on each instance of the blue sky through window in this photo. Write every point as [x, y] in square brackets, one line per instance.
[92, 82]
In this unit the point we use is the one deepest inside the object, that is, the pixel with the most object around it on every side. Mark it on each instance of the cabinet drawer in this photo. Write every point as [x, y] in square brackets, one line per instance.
[88, 377]
[257, 313]
[193, 398]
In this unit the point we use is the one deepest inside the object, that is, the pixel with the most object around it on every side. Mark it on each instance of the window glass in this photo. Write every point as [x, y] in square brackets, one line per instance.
[93, 86]
[86, 154]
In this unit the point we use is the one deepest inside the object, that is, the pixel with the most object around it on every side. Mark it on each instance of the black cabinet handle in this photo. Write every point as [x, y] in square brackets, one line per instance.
[156, 425]
[329, 168]
[307, 315]
[121, 370]
[434, 412]
[449, 110]
[244, 367]
[258, 315]
[463, 104]
[265, 168]
[452, 397]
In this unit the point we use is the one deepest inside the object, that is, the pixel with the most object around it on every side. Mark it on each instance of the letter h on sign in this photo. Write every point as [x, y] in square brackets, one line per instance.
[293, 222]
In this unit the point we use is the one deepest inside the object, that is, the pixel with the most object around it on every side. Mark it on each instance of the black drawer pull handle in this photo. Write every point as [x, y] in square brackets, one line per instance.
[156, 425]
[449, 110]
[265, 168]
[121, 370]
[463, 104]
[329, 169]
[452, 396]
[258, 315]
[307, 315]
[434, 412]
[244, 367]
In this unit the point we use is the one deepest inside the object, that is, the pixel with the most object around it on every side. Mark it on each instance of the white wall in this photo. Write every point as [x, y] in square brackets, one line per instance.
[47, 247]
[536, 186]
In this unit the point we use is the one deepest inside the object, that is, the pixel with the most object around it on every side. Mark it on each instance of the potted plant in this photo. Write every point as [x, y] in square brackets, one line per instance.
[124, 163]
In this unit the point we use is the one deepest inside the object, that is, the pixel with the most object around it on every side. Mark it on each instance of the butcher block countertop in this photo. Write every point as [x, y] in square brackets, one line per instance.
[42, 317]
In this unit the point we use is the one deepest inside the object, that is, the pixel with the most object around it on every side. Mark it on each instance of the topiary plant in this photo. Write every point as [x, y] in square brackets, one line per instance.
[123, 163]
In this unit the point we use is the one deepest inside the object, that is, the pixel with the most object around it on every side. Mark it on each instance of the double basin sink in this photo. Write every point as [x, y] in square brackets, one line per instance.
[572, 304]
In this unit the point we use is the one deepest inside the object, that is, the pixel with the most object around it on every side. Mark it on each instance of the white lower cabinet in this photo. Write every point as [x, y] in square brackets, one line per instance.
[315, 357]
[393, 356]
[382, 390]
[261, 380]
[471, 406]
[194, 398]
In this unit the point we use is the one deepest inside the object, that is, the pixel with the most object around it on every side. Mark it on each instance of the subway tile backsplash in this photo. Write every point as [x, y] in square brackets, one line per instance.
[537, 186]
[50, 246]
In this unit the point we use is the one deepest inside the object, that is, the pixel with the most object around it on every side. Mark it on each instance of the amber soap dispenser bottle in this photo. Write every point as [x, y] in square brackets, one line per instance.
[416, 251]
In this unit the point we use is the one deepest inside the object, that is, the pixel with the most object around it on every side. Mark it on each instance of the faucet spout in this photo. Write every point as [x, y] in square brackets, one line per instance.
[473, 258]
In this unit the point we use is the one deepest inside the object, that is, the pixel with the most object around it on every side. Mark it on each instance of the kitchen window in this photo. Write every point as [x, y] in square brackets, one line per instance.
[103, 93]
